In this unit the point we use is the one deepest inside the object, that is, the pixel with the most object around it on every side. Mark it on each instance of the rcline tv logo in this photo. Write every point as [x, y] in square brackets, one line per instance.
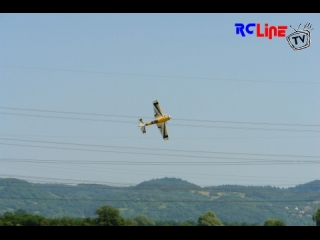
[297, 40]
[300, 39]
[269, 32]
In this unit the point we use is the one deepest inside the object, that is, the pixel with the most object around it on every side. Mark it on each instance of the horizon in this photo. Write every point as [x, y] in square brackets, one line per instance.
[128, 186]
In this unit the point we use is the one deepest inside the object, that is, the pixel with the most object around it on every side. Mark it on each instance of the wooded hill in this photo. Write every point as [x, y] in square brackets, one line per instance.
[165, 199]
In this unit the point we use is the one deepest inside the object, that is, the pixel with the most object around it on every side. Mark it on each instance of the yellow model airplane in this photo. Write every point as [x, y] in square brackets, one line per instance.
[161, 121]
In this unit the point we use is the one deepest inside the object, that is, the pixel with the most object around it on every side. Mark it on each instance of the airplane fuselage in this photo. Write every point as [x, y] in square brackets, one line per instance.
[159, 120]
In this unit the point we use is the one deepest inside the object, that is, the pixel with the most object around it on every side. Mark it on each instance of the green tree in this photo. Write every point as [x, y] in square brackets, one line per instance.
[143, 220]
[109, 216]
[274, 222]
[21, 212]
[209, 219]
[130, 222]
[185, 224]
[316, 217]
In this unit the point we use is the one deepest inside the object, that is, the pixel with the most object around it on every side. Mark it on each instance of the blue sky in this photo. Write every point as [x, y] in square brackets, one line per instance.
[197, 68]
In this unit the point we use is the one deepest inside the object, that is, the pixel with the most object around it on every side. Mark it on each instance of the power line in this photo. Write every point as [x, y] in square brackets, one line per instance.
[185, 173]
[93, 186]
[50, 136]
[159, 76]
[237, 122]
[71, 181]
[180, 119]
[184, 125]
[221, 187]
[246, 128]
[239, 191]
[65, 112]
[255, 162]
[163, 201]
[122, 172]
[202, 174]
[163, 149]
[86, 186]
[72, 118]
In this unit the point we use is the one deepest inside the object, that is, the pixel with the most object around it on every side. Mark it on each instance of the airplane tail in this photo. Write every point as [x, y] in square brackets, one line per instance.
[142, 126]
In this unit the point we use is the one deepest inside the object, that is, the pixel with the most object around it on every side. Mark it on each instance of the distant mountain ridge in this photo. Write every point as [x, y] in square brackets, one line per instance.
[167, 183]
[165, 199]
[310, 186]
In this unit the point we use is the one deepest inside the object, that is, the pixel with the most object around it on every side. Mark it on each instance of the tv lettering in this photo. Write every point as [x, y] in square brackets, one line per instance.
[300, 39]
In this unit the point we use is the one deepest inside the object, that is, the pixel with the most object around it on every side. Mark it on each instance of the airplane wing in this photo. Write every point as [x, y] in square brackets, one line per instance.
[163, 130]
[157, 109]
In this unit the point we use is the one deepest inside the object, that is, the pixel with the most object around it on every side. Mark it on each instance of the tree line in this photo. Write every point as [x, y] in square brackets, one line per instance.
[110, 216]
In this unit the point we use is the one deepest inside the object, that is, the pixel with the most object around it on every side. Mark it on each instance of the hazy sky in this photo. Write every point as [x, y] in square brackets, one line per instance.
[197, 68]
